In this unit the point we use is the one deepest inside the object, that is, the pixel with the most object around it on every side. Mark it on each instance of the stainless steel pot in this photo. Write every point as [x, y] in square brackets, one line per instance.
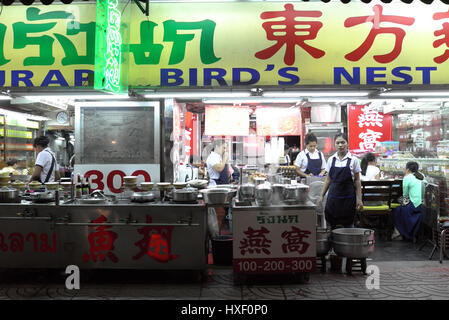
[247, 192]
[42, 197]
[185, 195]
[353, 242]
[216, 195]
[278, 193]
[322, 242]
[142, 197]
[264, 193]
[9, 195]
[296, 192]
[258, 181]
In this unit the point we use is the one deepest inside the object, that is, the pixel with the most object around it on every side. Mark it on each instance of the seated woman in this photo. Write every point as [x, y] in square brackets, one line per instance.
[407, 218]
[369, 169]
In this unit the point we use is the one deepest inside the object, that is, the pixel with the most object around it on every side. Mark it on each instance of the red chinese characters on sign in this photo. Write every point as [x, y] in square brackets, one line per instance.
[378, 17]
[367, 127]
[291, 33]
[101, 243]
[156, 242]
[442, 32]
[295, 240]
[17, 242]
[255, 241]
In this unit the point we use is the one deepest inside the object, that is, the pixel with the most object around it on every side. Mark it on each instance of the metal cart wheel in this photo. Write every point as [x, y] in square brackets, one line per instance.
[363, 265]
[349, 266]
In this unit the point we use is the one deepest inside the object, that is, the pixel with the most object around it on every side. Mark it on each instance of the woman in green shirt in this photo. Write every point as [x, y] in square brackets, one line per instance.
[407, 219]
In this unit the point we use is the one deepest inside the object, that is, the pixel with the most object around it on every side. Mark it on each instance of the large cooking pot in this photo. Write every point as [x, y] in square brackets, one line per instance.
[322, 242]
[297, 192]
[142, 197]
[9, 195]
[217, 195]
[353, 242]
[185, 195]
[278, 193]
[247, 192]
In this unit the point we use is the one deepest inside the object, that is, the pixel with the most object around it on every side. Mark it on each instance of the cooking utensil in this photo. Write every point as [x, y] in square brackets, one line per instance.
[296, 192]
[278, 193]
[9, 195]
[353, 242]
[259, 180]
[42, 197]
[247, 192]
[185, 195]
[142, 197]
[216, 195]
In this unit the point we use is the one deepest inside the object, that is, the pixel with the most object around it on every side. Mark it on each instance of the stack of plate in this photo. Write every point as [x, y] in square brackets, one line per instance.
[66, 186]
[130, 182]
[52, 185]
[35, 185]
[18, 184]
[4, 180]
[163, 185]
[179, 185]
[146, 186]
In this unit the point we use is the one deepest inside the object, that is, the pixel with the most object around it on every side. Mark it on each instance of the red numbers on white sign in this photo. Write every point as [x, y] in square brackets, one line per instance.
[96, 179]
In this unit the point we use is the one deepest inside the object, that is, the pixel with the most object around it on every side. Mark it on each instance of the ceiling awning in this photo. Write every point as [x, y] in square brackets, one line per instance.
[32, 2]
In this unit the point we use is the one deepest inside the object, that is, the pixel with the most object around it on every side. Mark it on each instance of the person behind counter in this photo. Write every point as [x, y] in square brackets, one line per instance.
[216, 163]
[369, 169]
[11, 167]
[343, 183]
[45, 169]
[310, 161]
[407, 218]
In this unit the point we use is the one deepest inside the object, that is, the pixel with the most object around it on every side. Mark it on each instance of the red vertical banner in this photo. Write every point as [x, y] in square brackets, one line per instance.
[367, 127]
[188, 134]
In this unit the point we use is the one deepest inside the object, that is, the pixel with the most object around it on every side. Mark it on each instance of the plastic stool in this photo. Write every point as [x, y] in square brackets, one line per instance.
[445, 227]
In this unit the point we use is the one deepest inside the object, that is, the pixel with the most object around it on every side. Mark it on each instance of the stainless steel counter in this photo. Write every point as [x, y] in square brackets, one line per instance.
[120, 235]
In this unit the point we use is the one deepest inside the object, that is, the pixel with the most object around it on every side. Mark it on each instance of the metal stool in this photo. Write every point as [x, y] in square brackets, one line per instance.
[445, 227]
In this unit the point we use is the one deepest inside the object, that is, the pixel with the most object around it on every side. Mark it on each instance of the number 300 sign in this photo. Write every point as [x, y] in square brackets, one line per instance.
[96, 179]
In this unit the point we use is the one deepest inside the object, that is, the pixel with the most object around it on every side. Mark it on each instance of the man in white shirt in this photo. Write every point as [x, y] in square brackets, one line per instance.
[310, 161]
[216, 163]
[46, 169]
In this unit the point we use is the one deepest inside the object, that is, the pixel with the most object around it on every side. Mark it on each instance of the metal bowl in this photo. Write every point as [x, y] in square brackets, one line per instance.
[185, 195]
[216, 195]
[91, 200]
[142, 197]
[247, 191]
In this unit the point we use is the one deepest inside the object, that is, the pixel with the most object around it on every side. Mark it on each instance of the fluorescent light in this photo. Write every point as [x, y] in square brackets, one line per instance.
[317, 93]
[411, 93]
[23, 115]
[340, 99]
[252, 100]
[112, 104]
[431, 99]
[198, 94]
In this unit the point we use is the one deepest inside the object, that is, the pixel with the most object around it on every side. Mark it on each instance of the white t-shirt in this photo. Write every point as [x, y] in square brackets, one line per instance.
[371, 173]
[44, 160]
[354, 165]
[213, 159]
[301, 160]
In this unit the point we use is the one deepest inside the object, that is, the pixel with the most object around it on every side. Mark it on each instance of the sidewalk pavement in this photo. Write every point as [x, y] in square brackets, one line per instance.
[398, 280]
